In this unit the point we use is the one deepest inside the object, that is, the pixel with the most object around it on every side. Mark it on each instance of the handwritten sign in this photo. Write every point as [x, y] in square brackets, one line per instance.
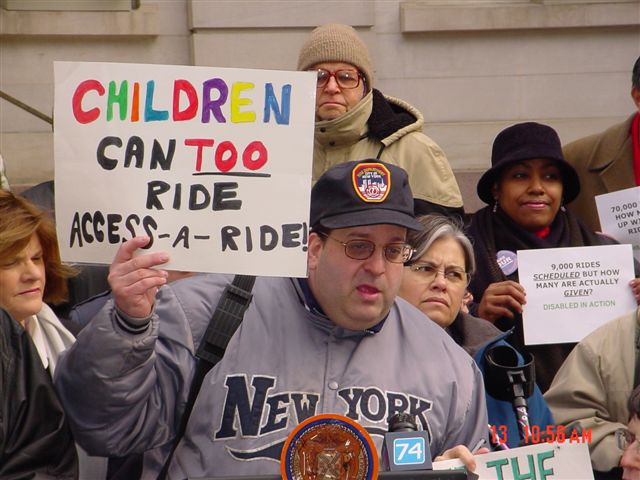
[213, 164]
[619, 214]
[544, 461]
[573, 291]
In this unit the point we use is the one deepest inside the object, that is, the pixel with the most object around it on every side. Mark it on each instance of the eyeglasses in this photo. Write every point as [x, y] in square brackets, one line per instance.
[363, 249]
[346, 79]
[624, 439]
[429, 272]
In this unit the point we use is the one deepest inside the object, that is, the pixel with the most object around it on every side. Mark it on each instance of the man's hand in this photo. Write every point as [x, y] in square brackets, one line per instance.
[133, 281]
[463, 454]
[501, 299]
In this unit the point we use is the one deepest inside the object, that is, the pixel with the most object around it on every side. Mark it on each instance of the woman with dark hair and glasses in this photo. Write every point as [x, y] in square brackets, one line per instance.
[435, 281]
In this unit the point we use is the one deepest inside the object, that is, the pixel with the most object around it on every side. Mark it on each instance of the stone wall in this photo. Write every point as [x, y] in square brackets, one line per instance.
[472, 67]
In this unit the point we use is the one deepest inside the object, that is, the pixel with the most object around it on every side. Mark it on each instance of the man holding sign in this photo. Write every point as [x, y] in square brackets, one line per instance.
[337, 342]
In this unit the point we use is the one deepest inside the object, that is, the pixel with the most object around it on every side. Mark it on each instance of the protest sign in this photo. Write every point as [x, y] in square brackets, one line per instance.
[573, 291]
[213, 164]
[544, 461]
[619, 214]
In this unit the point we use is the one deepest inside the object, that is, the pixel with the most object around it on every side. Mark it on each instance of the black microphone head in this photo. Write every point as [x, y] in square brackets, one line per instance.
[403, 422]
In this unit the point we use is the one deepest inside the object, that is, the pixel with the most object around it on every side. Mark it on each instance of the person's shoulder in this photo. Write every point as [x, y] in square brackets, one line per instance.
[411, 315]
[426, 332]
[9, 328]
[84, 311]
[477, 333]
[614, 330]
[42, 195]
[618, 131]
[207, 288]
[198, 285]
[45, 189]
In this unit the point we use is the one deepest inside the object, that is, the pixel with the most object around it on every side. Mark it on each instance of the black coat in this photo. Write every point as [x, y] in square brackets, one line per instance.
[35, 439]
[491, 232]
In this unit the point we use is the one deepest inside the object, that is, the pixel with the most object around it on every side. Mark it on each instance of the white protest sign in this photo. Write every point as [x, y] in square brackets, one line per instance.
[619, 214]
[573, 291]
[213, 164]
[544, 461]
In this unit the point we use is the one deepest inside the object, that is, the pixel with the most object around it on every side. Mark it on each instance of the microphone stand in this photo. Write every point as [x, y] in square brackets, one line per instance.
[506, 380]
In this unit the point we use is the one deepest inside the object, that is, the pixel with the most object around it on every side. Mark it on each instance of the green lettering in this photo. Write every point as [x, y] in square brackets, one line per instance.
[119, 98]
[498, 464]
[523, 476]
[541, 458]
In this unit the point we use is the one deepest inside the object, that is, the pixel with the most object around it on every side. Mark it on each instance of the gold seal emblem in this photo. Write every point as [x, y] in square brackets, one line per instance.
[329, 447]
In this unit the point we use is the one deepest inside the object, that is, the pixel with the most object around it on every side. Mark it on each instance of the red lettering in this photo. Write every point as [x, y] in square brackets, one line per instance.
[86, 116]
[248, 159]
[180, 86]
[200, 143]
[225, 155]
[225, 164]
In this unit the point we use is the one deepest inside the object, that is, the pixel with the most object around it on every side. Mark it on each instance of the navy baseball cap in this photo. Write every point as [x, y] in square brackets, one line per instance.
[365, 192]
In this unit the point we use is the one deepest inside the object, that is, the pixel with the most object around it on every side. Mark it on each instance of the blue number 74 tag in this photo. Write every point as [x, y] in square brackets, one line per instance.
[408, 451]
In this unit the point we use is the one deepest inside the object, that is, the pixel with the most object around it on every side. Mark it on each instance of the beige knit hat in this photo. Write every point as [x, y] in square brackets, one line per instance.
[335, 42]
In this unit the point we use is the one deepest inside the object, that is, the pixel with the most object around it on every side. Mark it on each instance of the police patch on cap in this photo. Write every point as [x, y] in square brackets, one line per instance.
[371, 181]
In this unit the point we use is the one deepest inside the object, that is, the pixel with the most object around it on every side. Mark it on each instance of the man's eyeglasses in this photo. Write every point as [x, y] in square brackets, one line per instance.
[624, 439]
[344, 78]
[429, 272]
[363, 249]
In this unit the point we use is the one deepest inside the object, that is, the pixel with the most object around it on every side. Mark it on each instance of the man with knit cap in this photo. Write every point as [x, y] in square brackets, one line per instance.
[337, 342]
[356, 121]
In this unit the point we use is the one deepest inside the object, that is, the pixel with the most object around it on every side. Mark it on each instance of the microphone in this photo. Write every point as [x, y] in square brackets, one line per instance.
[404, 447]
[505, 380]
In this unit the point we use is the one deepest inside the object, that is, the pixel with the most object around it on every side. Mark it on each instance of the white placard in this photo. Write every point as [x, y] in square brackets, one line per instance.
[544, 461]
[214, 164]
[573, 291]
[619, 214]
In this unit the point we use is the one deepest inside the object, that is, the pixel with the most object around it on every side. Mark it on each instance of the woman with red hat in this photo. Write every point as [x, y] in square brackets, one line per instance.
[526, 187]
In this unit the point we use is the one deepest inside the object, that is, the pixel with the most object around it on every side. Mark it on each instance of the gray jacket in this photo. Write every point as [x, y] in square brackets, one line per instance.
[125, 391]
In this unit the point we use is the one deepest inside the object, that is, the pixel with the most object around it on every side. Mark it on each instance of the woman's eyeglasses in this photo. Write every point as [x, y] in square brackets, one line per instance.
[429, 272]
[344, 78]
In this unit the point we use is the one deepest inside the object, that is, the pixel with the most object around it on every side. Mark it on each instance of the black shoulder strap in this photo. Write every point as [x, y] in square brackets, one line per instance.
[225, 321]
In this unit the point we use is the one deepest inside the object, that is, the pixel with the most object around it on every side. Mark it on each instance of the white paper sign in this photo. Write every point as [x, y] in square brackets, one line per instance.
[545, 461]
[619, 214]
[573, 291]
[214, 164]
